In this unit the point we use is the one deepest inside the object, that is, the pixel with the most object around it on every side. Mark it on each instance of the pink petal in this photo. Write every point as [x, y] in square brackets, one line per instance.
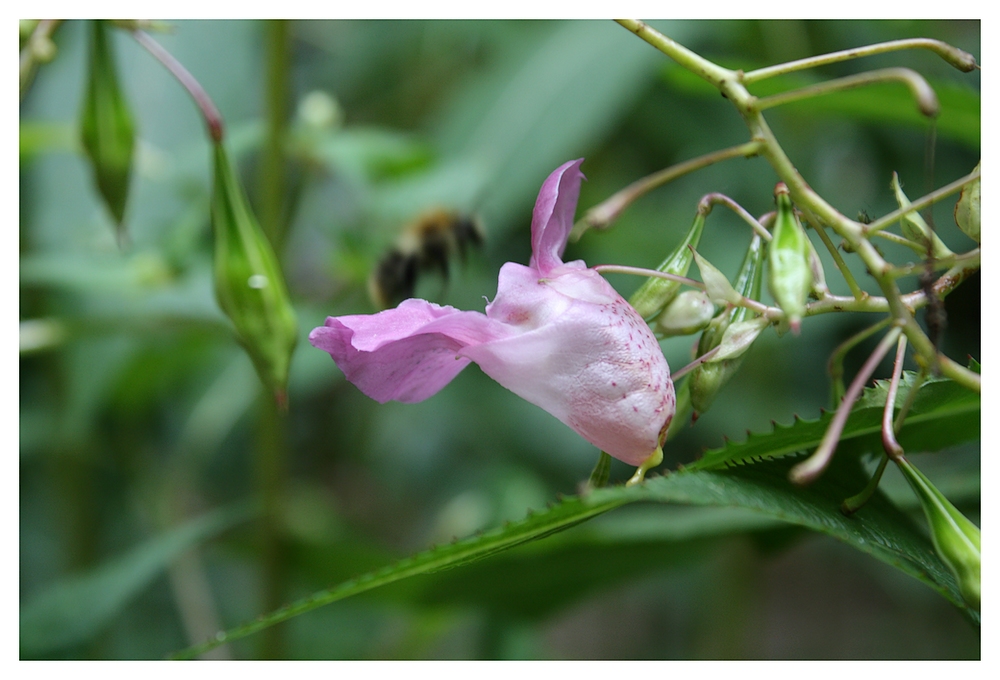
[405, 354]
[552, 218]
[583, 354]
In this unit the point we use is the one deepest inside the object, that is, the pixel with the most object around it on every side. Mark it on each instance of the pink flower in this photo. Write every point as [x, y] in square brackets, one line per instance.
[557, 334]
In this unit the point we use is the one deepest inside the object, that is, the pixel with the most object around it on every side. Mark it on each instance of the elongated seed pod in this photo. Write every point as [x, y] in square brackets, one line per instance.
[790, 275]
[106, 127]
[248, 281]
[956, 539]
[655, 294]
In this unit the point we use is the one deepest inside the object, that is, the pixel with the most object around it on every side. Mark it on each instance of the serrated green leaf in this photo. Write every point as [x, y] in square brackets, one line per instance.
[880, 528]
[559, 517]
[942, 415]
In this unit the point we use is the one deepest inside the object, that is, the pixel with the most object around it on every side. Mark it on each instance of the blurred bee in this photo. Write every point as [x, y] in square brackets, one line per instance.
[426, 245]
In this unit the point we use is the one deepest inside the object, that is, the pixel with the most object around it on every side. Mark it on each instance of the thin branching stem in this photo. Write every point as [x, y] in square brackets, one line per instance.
[696, 363]
[639, 271]
[854, 503]
[911, 396]
[921, 203]
[607, 211]
[960, 59]
[838, 260]
[709, 200]
[809, 469]
[38, 49]
[889, 443]
[835, 366]
[921, 90]
[902, 241]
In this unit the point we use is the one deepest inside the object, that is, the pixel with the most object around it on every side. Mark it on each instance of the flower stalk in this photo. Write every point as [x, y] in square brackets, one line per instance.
[809, 469]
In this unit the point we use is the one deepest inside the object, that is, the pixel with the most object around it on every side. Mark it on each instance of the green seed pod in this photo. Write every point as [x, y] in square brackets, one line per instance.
[968, 207]
[106, 127]
[956, 539]
[690, 312]
[655, 294]
[706, 380]
[790, 278]
[914, 227]
[248, 281]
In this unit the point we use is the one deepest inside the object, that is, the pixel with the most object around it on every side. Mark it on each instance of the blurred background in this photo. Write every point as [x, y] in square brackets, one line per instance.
[146, 443]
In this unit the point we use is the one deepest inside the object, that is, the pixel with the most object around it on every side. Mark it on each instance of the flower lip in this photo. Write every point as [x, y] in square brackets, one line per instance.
[556, 334]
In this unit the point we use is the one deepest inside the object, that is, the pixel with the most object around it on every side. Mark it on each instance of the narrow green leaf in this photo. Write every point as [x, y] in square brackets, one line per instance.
[559, 517]
[76, 608]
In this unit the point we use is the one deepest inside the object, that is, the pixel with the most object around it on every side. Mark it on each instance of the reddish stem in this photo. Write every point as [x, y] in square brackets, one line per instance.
[213, 119]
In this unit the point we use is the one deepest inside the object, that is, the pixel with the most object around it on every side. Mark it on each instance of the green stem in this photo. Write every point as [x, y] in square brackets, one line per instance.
[809, 469]
[39, 49]
[607, 211]
[708, 200]
[902, 241]
[854, 503]
[921, 203]
[958, 58]
[639, 271]
[921, 90]
[695, 63]
[835, 365]
[675, 375]
[842, 267]
[271, 473]
[272, 178]
[963, 376]
[911, 397]
[889, 443]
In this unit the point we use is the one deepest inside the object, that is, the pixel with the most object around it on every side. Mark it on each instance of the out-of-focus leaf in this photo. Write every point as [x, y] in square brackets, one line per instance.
[535, 109]
[367, 154]
[39, 137]
[77, 608]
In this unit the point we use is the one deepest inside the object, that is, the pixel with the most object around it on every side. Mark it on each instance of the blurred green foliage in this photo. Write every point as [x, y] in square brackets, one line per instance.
[140, 416]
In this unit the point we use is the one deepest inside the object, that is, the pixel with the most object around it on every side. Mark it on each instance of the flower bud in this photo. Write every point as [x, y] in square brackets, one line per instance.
[706, 380]
[106, 127]
[655, 294]
[248, 281]
[791, 277]
[690, 312]
[968, 207]
[956, 539]
[914, 227]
